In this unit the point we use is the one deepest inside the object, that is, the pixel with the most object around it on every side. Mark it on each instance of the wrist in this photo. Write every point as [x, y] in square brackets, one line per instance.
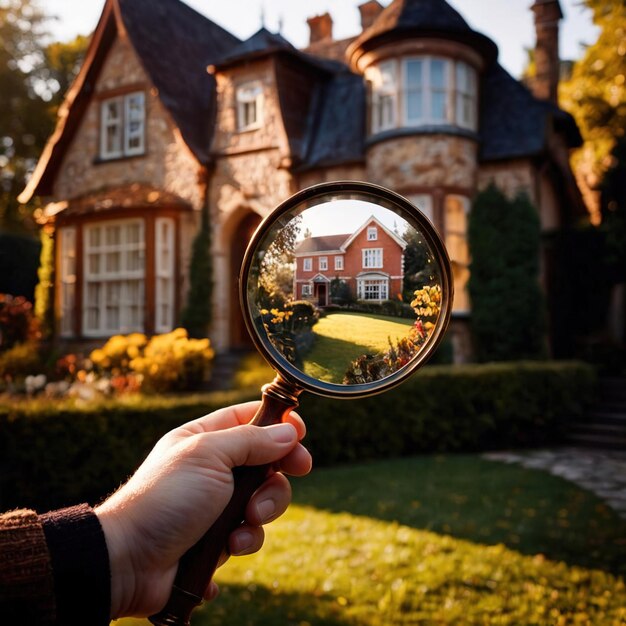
[122, 572]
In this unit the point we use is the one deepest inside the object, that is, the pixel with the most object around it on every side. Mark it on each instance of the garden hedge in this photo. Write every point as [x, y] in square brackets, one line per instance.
[55, 455]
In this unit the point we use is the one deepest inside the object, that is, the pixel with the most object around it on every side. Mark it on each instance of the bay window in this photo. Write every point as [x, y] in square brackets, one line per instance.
[113, 295]
[422, 91]
[373, 289]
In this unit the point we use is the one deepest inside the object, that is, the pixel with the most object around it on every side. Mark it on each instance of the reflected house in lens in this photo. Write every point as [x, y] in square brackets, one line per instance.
[172, 117]
[364, 265]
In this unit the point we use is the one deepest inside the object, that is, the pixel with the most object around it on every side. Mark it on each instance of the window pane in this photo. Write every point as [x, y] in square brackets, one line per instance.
[438, 74]
[93, 264]
[112, 235]
[414, 73]
[414, 105]
[438, 106]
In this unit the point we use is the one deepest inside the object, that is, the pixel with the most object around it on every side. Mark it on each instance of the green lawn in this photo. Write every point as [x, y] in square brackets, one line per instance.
[430, 540]
[342, 337]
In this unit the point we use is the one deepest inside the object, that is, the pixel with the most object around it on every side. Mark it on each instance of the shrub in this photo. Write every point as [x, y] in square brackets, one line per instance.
[173, 362]
[508, 310]
[17, 323]
[56, 454]
[44, 290]
[22, 360]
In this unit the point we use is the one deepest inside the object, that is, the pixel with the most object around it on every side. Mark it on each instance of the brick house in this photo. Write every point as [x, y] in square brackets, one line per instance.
[149, 135]
[369, 262]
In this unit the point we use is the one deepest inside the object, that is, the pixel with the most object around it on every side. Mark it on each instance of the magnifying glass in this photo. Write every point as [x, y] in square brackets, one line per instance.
[317, 278]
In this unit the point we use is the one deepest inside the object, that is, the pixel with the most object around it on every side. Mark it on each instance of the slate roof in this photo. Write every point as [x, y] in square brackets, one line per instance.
[261, 43]
[176, 44]
[513, 123]
[422, 17]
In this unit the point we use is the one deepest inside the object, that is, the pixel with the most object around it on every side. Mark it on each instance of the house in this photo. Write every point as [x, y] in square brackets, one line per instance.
[369, 262]
[171, 115]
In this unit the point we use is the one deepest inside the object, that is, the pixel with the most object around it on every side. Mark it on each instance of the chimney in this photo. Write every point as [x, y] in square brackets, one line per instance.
[546, 81]
[369, 12]
[321, 28]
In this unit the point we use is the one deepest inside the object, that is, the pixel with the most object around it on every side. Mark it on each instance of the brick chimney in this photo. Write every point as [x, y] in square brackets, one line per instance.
[369, 12]
[546, 81]
[321, 28]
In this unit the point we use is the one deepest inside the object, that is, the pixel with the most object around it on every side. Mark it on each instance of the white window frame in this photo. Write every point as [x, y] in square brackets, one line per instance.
[67, 281]
[339, 262]
[164, 274]
[249, 94]
[466, 96]
[323, 264]
[426, 90]
[103, 277]
[366, 287]
[372, 233]
[372, 258]
[307, 290]
[307, 264]
[385, 97]
[129, 126]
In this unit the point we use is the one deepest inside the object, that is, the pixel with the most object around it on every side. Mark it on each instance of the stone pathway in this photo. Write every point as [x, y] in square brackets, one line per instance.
[602, 472]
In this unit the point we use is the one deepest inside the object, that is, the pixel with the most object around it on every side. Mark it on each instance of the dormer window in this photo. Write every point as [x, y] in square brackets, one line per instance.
[423, 91]
[249, 105]
[122, 126]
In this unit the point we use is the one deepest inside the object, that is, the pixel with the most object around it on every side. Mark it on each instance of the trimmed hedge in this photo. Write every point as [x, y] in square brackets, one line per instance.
[55, 455]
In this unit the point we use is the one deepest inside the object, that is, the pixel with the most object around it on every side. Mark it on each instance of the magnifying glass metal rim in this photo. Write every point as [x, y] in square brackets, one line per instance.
[377, 193]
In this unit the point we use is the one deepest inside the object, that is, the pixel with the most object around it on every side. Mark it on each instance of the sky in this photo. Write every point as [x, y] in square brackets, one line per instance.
[508, 22]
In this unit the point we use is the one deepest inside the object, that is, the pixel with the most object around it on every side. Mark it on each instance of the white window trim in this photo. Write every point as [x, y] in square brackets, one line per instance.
[123, 125]
[307, 264]
[256, 88]
[426, 90]
[339, 263]
[383, 288]
[381, 91]
[307, 289]
[372, 233]
[165, 265]
[104, 277]
[323, 264]
[67, 282]
[471, 93]
[377, 253]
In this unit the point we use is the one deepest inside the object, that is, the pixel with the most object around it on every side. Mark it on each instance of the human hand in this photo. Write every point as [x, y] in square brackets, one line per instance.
[181, 489]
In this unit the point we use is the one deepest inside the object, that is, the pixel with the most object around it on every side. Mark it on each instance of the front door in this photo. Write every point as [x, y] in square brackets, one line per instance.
[321, 294]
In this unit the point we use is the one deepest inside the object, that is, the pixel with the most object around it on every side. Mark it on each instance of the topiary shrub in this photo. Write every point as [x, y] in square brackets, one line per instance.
[508, 318]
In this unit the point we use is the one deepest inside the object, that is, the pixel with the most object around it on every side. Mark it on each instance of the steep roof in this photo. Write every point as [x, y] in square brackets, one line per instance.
[176, 44]
[513, 123]
[263, 42]
[411, 18]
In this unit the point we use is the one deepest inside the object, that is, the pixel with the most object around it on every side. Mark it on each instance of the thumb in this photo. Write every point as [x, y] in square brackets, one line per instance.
[252, 445]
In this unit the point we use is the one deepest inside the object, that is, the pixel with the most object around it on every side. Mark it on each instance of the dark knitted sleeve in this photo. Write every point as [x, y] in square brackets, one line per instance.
[26, 588]
[80, 566]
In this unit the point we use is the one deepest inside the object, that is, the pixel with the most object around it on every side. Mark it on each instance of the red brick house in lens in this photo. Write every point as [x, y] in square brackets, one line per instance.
[171, 115]
[370, 262]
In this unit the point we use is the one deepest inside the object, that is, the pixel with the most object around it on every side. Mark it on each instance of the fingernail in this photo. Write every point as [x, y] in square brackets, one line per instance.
[243, 541]
[282, 433]
[266, 509]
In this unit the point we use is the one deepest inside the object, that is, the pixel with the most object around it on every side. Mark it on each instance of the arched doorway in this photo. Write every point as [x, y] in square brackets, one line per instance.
[239, 337]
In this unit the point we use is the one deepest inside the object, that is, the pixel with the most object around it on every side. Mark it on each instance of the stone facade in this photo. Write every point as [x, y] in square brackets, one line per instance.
[167, 164]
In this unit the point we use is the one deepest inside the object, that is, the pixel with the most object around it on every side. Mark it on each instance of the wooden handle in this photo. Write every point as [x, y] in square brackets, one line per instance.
[198, 564]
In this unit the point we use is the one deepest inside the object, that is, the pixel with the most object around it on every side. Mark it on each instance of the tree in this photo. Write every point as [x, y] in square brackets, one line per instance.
[508, 310]
[595, 94]
[416, 257]
[196, 317]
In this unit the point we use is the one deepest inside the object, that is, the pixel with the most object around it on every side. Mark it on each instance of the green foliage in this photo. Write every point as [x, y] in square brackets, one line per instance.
[44, 294]
[416, 257]
[196, 317]
[22, 360]
[53, 454]
[62, 62]
[508, 311]
[596, 92]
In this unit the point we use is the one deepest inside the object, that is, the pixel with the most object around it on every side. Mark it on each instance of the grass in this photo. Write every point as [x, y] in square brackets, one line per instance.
[342, 337]
[430, 540]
